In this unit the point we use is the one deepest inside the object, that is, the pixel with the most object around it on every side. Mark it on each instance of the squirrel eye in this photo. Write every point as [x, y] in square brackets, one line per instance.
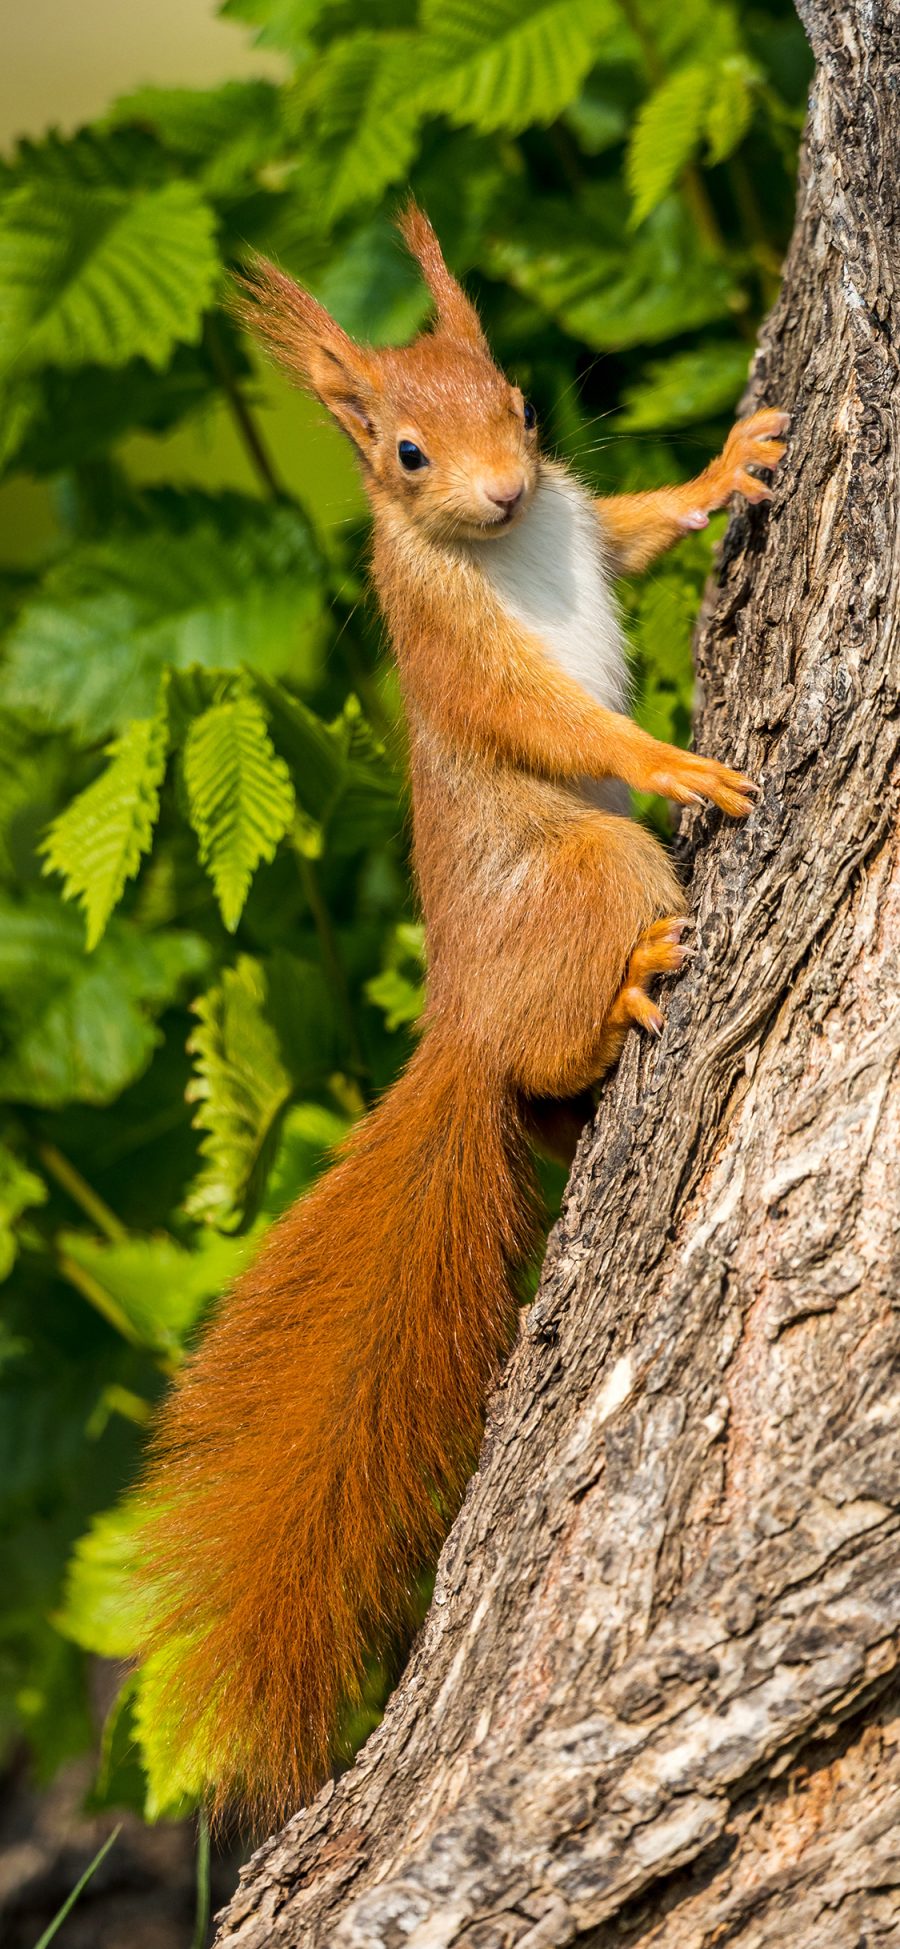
[410, 456]
[529, 415]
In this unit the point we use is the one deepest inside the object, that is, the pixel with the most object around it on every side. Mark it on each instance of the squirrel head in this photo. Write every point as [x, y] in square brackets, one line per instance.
[443, 436]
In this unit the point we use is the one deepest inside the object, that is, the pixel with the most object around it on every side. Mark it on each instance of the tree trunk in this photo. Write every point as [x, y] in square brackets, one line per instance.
[657, 1697]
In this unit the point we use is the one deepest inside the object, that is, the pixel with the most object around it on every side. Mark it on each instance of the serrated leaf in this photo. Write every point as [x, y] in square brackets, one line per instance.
[159, 1287]
[97, 843]
[373, 288]
[75, 1029]
[503, 64]
[30, 773]
[94, 158]
[240, 797]
[316, 752]
[366, 118]
[399, 990]
[691, 386]
[89, 650]
[666, 135]
[308, 1137]
[656, 285]
[598, 119]
[20, 1190]
[241, 1085]
[172, 1756]
[224, 133]
[103, 1608]
[264, 1032]
[665, 614]
[102, 276]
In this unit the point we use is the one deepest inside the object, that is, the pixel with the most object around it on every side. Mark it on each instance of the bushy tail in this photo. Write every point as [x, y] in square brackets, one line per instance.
[310, 1454]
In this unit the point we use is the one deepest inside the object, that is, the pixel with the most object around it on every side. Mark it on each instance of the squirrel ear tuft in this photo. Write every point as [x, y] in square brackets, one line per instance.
[456, 312]
[304, 338]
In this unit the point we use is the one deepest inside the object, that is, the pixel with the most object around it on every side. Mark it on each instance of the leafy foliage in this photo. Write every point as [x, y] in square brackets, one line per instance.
[240, 797]
[243, 1080]
[97, 842]
[102, 274]
[503, 64]
[208, 585]
[209, 961]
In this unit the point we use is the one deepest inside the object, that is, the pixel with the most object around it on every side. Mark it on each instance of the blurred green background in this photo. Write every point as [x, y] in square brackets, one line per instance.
[209, 954]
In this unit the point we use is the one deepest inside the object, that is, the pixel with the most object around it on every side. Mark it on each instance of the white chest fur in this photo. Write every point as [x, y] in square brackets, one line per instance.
[548, 573]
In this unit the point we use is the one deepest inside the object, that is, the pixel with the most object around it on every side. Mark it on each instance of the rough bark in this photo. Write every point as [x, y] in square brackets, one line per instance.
[657, 1698]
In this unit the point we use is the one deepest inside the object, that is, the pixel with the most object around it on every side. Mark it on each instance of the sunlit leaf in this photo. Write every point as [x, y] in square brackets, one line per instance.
[102, 275]
[97, 843]
[89, 650]
[500, 64]
[240, 797]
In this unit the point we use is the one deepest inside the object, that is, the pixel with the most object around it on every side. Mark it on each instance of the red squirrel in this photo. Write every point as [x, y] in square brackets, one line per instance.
[311, 1453]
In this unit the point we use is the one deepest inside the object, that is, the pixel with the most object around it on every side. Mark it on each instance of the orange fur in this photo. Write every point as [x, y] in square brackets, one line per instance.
[314, 1448]
[319, 1440]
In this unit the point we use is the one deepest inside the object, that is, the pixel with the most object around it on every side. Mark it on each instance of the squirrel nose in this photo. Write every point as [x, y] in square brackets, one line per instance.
[505, 496]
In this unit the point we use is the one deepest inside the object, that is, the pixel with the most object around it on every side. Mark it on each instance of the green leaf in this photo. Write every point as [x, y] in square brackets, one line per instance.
[65, 418]
[98, 841]
[237, 586]
[225, 134]
[308, 1137]
[373, 288]
[20, 1189]
[730, 111]
[665, 613]
[174, 1784]
[399, 990]
[103, 1608]
[691, 386]
[665, 136]
[343, 778]
[93, 158]
[30, 773]
[158, 1288]
[75, 1029]
[613, 295]
[598, 118]
[240, 797]
[263, 1033]
[241, 1084]
[278, 23]
[366, 118]
[102, 276]
[502, 64]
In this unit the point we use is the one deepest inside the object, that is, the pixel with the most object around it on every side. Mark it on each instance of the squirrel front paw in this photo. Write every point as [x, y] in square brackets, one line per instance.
[753, 442]
[689, 779]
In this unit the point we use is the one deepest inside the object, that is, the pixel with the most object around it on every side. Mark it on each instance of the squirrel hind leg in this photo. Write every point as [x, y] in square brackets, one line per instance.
[659, 951]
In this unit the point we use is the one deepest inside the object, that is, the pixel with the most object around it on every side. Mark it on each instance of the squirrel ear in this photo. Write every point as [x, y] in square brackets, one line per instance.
[455, 311]
[312, 347]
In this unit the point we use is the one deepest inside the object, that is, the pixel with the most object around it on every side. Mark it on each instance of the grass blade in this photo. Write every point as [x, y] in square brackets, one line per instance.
[70, 1900]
